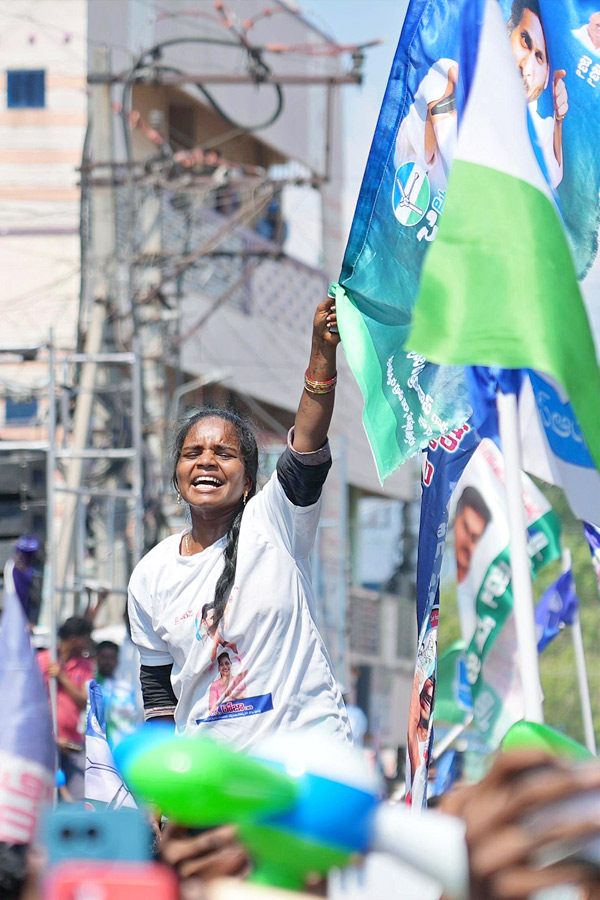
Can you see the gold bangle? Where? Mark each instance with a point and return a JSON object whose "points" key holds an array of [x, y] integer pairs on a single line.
{"points": [[319, 387]]}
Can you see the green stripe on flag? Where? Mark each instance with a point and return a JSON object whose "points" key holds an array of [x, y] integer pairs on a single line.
{"points": [[493, 606], [378, 417], [499, 289]]}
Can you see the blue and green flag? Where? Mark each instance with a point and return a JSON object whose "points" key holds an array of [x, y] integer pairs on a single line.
{"points": [[513, 238]]}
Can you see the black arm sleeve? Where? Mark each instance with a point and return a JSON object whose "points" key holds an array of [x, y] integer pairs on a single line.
{"points": [[157, 691], [302, 484]]}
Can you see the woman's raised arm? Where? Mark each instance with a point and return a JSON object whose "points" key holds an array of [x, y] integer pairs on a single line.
{"points": [[316, 404]]}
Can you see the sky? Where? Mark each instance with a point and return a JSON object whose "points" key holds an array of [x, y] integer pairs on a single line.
{"points": [[349, 22], [357, 21]]}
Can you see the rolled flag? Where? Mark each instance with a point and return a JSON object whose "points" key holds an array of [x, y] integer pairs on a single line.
{"points": [[592, 535], [557, 607], [27, 748], [104, 786]]}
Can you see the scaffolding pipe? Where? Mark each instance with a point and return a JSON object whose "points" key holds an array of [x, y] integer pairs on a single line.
{"points": [[50, 566]]}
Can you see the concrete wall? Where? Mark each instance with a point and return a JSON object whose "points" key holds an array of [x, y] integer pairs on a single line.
{"points": [[40, 150]]}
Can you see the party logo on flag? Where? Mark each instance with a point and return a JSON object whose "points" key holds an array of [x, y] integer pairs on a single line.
{"points": [[411, 194]]}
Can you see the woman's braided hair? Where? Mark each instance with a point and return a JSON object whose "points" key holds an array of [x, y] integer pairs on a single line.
{"points": [[249, 455]]}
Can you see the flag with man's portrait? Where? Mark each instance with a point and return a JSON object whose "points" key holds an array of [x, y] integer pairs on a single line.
{"points": [[480, 534]]}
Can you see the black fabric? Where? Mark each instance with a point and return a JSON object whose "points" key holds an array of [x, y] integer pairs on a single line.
{"points": [[301, 483], [157, 689]]}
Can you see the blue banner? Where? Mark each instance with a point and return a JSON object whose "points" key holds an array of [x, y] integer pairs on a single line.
{"points": [[240, 708], [444, 463]]}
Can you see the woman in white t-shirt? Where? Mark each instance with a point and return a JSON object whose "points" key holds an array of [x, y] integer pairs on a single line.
{"points": [[238, 580]]}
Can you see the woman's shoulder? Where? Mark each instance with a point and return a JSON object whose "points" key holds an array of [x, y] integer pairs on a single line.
{"points": [[166, 549]]}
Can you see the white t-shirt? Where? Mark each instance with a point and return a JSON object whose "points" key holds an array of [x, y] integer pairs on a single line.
{"points": [[280, 674]]}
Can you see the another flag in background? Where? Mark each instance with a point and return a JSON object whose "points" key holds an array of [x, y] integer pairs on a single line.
{"points": [[592, 535], [479, 520], [556, 608], [449, 770], [552, 445], [454, 700], [104, 786], [443, 465], [27, 748], [498, 286]]}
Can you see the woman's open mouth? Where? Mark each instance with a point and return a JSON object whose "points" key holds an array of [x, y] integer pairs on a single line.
{"points": [[206, 483]]}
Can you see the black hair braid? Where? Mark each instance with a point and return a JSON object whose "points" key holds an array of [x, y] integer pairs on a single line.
{"points": [[227, 576]]}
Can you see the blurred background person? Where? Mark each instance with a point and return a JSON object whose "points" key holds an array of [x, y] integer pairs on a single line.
{"points": [[21, 576], [72, 670]]}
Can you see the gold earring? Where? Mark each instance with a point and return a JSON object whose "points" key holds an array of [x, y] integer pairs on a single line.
{"points": [[245, 497]]}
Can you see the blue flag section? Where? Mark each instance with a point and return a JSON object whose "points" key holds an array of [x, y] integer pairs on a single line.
{"points": [[557, 607], [592, 535], [408, 400], [449, 770], [444, 463], [104, 786], [27, 748]]}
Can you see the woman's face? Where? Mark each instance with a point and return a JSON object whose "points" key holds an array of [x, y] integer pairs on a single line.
{"points": [[210, 471], [209, 619], [225, 666]]}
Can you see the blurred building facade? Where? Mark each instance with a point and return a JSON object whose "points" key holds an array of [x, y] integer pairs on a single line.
{"points": [[144, 212]]}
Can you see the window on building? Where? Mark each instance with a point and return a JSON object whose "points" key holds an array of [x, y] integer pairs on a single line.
{"points": [[26, 89], [20, 411]]}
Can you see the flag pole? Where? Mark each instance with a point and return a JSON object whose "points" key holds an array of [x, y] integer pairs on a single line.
{"points": [[523, 608], [584, 688], [582, 679]]}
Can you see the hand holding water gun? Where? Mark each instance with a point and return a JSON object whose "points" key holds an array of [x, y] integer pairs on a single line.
{"points": [[301, 805]]}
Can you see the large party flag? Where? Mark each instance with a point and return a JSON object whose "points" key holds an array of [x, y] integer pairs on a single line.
{"points": [[402, 204], [408, 400], [499, 286], [104, 786], [27, 748]]}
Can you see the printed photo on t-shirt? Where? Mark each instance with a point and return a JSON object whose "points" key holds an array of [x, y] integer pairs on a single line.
{"points": [[229, 694], [209, 631]]}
